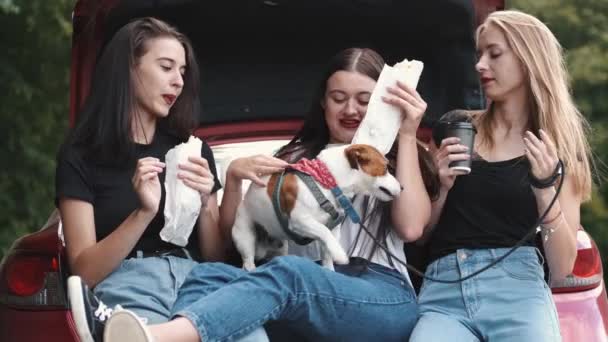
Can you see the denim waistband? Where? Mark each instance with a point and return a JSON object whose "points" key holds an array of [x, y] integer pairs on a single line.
{"points": [[358, 265], [176, 252], [486, 256]]}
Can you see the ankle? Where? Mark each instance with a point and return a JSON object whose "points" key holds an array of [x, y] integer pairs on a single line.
{"points": [[178, 329]]}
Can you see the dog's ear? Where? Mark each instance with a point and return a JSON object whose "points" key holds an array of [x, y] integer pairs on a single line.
{"points": [[367, 159], [357, 156]]}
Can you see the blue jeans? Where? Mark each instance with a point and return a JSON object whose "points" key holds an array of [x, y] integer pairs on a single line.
{"points": [[351, 304], [147, 286], [508, 302]]}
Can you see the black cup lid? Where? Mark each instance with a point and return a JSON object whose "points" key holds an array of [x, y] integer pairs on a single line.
{"points": [[461, 124]]}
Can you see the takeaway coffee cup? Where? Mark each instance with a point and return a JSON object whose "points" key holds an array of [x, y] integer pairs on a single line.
{"points": [[466, 132]]}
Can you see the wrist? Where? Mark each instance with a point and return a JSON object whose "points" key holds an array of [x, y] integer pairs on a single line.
{"points": [[549, 220], [443, 190], [544, 195], [407, 136], [232, 179], [146, 213], [204, 201]]}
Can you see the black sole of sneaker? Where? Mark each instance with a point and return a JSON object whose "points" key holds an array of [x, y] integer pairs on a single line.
{"points": [[76, 297]]}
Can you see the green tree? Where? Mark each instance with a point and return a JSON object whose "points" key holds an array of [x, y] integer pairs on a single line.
{"points": [[34, 91]]}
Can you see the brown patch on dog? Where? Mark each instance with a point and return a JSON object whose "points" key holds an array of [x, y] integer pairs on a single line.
{"points": [[289, 191], [368, 158], [272, 182]]}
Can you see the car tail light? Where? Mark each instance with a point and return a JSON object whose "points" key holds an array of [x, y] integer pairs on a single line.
{"points": [[587, 272], [30, 280], [32, 273]]}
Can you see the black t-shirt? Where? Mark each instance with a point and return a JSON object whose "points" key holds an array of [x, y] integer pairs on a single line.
{"points": [[109, 189], [492, 207]]}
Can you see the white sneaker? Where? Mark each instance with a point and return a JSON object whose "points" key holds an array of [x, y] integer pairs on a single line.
{"points": [[125, 325], [89, 313]]}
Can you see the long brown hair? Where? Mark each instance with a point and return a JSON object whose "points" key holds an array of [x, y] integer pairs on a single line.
{"points": [[103, 126]]}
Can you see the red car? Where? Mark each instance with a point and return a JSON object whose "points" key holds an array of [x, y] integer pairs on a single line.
{"points": [[259, 61]]}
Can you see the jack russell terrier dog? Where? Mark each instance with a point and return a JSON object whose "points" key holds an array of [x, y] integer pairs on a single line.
{"points": [[307, 200]]}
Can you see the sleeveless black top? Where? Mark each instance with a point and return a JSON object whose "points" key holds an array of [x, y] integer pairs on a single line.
{"points": [[491, 207]]}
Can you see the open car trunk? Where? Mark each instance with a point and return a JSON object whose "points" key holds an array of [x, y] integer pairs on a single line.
{"points": [[261, 60]]}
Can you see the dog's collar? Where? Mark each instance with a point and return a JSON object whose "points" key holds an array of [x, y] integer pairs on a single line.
{"points": [[320, 172]]}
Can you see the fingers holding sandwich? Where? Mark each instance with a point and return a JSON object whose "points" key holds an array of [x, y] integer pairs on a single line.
{"points": [[411, 104]]}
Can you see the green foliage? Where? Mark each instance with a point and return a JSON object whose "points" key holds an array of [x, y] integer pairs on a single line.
{"points": [[34, 92], [7, 6]]}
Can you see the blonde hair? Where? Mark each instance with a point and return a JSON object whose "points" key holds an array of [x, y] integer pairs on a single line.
{"points": [[541, 56]]}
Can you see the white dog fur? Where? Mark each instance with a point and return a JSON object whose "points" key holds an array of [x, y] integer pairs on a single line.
{"points": [[358, 169]]}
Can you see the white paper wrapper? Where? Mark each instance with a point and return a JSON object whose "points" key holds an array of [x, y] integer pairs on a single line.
{"points": [[382, 121], [182, 203]]}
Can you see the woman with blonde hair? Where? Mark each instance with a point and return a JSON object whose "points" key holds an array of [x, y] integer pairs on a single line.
{"points": [[530, 137]]}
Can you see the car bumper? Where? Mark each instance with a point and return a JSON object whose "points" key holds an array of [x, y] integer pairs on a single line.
{"points": [[583, 316]]}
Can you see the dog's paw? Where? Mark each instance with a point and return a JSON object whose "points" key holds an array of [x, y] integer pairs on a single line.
{"points": [[329, 266], [341, 258], [249, 266]]}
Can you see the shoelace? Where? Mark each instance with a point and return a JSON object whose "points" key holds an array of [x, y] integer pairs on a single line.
{"points": [[103, 312]]}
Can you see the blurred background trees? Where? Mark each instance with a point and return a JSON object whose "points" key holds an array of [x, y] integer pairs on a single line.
{"points": [[34, 90], [35, 41]]}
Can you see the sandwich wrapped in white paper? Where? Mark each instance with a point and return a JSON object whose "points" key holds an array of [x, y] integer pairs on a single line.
{"points": [[182, 203], [382, 121]]}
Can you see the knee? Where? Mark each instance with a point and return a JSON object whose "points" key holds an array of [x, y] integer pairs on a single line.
{"points": [[293, 267]]}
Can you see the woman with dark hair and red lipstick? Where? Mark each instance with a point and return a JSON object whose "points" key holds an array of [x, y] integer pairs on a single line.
{"points": [[143, 102]]}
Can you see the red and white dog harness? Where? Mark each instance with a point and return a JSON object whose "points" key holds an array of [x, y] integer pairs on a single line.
{"points": [[317, 170], [312, 172]]}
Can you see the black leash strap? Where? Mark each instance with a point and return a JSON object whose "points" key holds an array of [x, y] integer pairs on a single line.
{"points": [[530, 234]]}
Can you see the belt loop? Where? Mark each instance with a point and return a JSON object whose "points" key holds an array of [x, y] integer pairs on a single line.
{"points": [[139, 254], [493, 254], [187, 253], [433, 268], [541, 257]]}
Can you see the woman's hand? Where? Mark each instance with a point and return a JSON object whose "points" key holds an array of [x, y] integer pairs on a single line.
{"points": [[411, 104], [254, 167], [449, 151], [146, 183], [196, 175], [542, 154]]}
